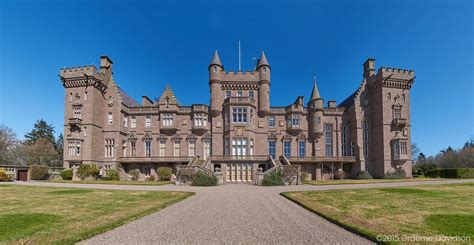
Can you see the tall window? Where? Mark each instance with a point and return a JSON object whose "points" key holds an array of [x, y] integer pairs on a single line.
{"points": [[228, 93], [176, 148], [77, 111], [251, 95], [133, 122], [397, 112], [328, 139], [272, 148], [200, 120], [403, 147], [110, 118], [251, 147], [271, 121], [192, 148], [239, 147], [147, 121], [124, 148], [239, 115], [344, 141], [319, 120], [74, 148], [366, 139], [148, 148], [227, 146], [85, 95], [239, 93], [352, 148], [287, 148], [109, 147], [294, 120], [162, 148], [396, 149], [125, 121], [167, 119], [301, 148], [133, 149]]}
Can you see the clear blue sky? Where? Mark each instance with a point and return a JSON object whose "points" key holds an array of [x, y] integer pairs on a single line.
{"points": [[161, 42]]}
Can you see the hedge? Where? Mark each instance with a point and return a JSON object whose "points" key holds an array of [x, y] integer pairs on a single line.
{"points": [[451, 173], [164, 173], [66, 174], [38, 172], [111, 174], [202, 179], [273, 179], [87, 170]]}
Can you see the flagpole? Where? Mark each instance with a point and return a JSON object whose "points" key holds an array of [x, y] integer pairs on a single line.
{"points": [[240, 64]]}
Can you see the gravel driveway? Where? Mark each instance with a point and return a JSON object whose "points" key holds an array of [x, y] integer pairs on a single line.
{"points": [[233, 213]]}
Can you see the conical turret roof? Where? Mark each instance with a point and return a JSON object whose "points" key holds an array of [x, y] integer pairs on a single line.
{"points": [[263, 60], [315, 93], [216, 60]]}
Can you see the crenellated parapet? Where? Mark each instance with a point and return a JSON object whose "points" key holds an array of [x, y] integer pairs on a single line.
{"points": [[81, 76], [394, 78]]}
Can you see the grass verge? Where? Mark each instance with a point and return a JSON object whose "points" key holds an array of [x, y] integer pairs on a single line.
{"points": [[365, 181], [427, 211], [112, 182], [51, 215]]}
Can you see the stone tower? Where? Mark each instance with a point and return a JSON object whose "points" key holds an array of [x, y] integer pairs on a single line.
{"points": [[263, 69], [315, 106], [215, 68]]}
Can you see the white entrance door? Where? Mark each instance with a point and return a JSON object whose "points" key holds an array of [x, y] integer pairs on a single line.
{"points": [[239, 172]]}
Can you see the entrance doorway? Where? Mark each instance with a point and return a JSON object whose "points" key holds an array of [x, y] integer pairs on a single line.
{"points": [[239, 172], [22, 175]]}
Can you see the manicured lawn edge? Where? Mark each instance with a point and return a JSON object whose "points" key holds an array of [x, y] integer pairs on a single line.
{"points": [[372, 181], [352, 228], [115, 224], [107, 182]]}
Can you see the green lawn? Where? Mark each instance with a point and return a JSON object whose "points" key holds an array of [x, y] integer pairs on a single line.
{"points": [[427, 210], [112, 182], [365, 181], [39, 215]]}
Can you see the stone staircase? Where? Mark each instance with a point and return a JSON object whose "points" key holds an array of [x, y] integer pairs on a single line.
{"points": [[185, 173]]}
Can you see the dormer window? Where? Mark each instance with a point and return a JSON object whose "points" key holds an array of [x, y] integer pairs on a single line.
{"points": [[167, 119], [294, 120], [200, 120]]}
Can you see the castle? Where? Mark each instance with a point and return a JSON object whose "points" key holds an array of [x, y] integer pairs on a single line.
{"points": [[239, 134]]}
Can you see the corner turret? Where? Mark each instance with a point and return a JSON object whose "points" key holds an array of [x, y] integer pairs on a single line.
{"points": [[263, 69], [215, 69], [315, 107]]}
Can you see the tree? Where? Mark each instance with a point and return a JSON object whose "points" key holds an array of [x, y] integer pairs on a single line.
{"points": [[60, 146], [7, 141], [414, 150], [41, 152], [40, 130]]}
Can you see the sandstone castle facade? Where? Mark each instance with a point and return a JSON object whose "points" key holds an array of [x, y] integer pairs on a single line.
{"points": [[239, 134]]}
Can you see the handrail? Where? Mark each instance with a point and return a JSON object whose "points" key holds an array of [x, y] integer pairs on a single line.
{"points": [[193, 161], [207, 163], [323, 159], [285, 160]]}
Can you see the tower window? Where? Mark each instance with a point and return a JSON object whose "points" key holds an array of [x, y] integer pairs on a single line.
{"points": [[239, 115], [228, 93], [239, 93], [167, 120], [110, 118], [77, 111], [389, 96], [328, 139], [397, 112], [133, 122], [239, 147], [271, 121], [251, 95]]}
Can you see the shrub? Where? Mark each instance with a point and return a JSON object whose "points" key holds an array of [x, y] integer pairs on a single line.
{"points": [[338, 175], [3, 175], [304, 176], [399, 173], [363, 175], [273, 179], [134, 174], [87, 170], [111, 174], [38, 172], [164, 173], [202, 179], [66, 174], [457, 173], [151, 178]]}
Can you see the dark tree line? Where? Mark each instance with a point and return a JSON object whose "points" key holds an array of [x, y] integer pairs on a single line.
{"points": [[446, 158], [40, 147]]}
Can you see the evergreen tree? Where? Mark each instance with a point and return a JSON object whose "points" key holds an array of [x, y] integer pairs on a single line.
{"points": [[60, 146], [41, 130]]}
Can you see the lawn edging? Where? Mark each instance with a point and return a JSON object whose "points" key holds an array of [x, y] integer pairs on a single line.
{"points": [[354, 229], [99, 230]]}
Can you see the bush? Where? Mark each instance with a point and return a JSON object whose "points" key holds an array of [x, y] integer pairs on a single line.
{"points": [[87, 170], [457, 173], [304, 176], [66, 174], [399, 173], [3, 175], [273, 179], [363, 175], [134, 174], [151, 178], [202, 179], [38, 172], [111, 174], [164, 173]]}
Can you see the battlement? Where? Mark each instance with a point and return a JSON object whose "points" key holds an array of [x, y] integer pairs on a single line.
{"points": [[79, 71], [396, 73], [232, 76]]}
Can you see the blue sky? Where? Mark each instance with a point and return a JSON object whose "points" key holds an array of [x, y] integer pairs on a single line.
{"points": [[162, 42]]}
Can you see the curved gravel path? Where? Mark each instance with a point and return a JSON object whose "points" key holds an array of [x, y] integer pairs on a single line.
{"points": [[233, 213]]}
